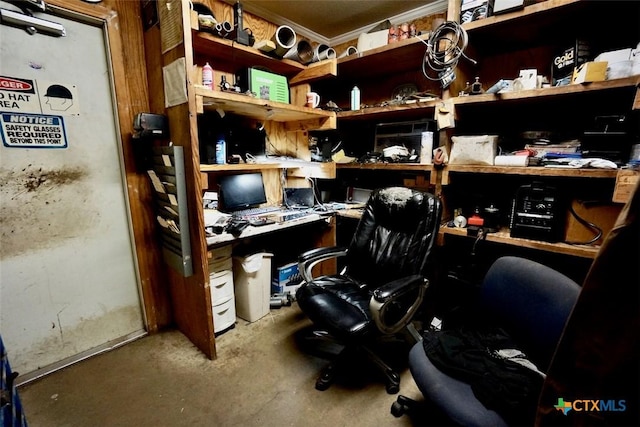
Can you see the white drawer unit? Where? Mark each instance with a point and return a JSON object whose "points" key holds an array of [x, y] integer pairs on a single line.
{"points": [[224, 315], [221, 286]]}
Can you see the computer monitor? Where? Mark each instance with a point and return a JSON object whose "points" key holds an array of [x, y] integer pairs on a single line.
{"points": [[241, 191]]}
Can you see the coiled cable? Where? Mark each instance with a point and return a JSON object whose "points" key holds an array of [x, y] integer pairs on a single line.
{"points": [[445, 47]]}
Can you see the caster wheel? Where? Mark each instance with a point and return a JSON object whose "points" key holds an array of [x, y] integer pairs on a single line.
{"points": [[325, 379], [322, 385], [393, 388], [398, 409]]}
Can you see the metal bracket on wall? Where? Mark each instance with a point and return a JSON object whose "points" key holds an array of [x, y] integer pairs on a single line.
{"points": [[27, 21]]}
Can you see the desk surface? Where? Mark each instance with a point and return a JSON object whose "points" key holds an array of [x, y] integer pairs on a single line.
{"points": [[350, 213], [264, 229]]}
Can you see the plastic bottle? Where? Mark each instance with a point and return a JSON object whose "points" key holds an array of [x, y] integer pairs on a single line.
{"points": [[355, 98], [207, 76], [221, 151]]}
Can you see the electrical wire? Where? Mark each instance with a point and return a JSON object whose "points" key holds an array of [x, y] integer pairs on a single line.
{"points": [[317, 202], [445, 47], [587, 224]]}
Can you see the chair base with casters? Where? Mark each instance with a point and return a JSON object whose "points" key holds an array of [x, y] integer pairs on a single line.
{"points": [[380, 291], [343, 357], [532, 303]]}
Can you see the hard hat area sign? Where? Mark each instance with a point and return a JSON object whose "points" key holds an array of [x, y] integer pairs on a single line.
{"points": [[38, 96], [32, 131], [31, 112]]}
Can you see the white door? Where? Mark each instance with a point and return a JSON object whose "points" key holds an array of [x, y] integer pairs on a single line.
{"points": [[68, 274]]}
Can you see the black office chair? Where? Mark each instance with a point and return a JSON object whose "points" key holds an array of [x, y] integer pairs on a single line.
{"points": [[528, 301], [383, 284]]}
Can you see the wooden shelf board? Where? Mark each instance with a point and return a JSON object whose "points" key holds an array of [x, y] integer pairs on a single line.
{"points": [[533, 170], [394, 57], [230, 52], [503, 236], [627, 82], [546, 22], [531, 10], [239, 167], [425, 107], [295, 168], [224, 52], [259, 109], [386, 166], [265, 229]]}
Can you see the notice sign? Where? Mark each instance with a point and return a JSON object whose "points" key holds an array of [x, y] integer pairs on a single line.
{"points": [[32, 131]]}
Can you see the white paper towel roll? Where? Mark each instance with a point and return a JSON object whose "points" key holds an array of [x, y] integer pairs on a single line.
{"points": [[511, 161], [426, 148]]}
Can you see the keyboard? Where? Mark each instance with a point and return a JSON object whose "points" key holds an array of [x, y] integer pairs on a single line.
{"points": [[245, 213]]}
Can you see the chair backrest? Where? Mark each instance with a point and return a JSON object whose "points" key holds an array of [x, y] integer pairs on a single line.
{"points": [[532, 302], [394, 236]]}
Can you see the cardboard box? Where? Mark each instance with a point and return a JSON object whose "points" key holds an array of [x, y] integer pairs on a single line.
{"points": [[368, 41], [590, 72], [626, 181], [287, 279], [473, 10]]}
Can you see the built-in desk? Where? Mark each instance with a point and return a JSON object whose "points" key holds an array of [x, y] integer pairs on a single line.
{"points": [[252, 231], [350, 213]]}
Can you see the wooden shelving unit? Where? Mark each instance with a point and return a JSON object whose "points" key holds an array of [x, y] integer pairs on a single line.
{"points": [[533, 171], [503, 236], [260, 109], [502, 45], [229, 52], [386, 166]]}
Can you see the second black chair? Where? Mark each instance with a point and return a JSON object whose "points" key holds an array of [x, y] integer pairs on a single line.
{"points": [[384, 281]]}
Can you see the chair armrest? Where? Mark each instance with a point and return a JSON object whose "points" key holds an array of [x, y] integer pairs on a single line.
{"points": [[398, 287], [388, 299], [307, 260]]}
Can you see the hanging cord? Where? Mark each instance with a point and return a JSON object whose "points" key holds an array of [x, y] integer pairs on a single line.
{"points": [[283, 185], [317, 202], [481, 236], [587, 224], [445, 47]]}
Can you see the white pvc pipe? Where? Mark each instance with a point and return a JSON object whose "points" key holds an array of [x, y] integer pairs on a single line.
{"points": [[285, 39], [302, 53], [322, 52], [351, 50]]}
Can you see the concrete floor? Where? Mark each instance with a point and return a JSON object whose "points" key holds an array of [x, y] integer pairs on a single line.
{"points": [[261, 378]]}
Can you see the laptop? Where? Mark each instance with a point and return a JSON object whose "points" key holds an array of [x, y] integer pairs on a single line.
{"points": [[299, 198]]}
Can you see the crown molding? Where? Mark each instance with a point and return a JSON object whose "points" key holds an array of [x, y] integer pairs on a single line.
{"points": [[279, 20], [437, 6], [420, 12]]}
